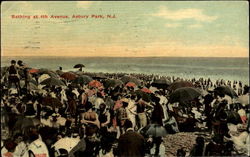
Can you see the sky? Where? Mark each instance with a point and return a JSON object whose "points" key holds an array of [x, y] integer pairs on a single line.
{"points": [[138, 29]]}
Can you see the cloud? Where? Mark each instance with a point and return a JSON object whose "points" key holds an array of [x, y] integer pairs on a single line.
{"points": [[195, 26], [84, 4], [172, 25], [182, 14]]}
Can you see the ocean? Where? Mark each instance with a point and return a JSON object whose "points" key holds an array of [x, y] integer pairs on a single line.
{"points": [[191, 67]]}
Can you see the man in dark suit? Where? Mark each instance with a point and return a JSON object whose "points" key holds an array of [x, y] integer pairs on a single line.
{"points": [[130, 144]]}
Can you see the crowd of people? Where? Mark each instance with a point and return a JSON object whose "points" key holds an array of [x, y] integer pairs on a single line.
{"points": [[108, 115]]}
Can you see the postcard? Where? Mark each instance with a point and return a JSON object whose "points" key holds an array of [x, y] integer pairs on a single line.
{"points": [[124, 78]]}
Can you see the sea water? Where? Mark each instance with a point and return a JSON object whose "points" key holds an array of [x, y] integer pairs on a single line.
{"points": [[191, 67]]}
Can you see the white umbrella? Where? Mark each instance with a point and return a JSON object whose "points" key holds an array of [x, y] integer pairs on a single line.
{"points": [[43, 77], [67, 143]]}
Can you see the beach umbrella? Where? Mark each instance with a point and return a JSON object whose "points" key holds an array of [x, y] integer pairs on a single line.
{"points": [[131, 84], [67, 143], [146, 90], [112, 83], [33, 71], [233, 117], [69, 76], [179, 84], [83, 79], [145, 96], [50, 101], [127, 79], [33, 81], [24, 122], [52, 82], [43, 77], [154, 130], [49, 72], [99, 76], [184, 94], [95, 83], [161, 83], [225, 90], [203, 92], [79, 66]]}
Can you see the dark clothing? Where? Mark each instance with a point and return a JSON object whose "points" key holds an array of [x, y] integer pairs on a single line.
{"points": [[131, 144], [214, 149], [103, 118], [13, 78], [12, 70], [197, 150], [79, 148], [140, 108], [157, 114]]}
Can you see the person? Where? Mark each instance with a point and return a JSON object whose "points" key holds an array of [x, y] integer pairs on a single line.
{"points": [[36, 146], [180, 153], [198, 149], [131, 110], [242, 114], [25, 72], [220, 127], [141, 111], [121, 116], [153, 151], [214, 147], [106, 146], [208, 99], [13, 77], [157, 114], [104, 116], [78, 149], [98, 101], [90, 120], [157, 118], [171, 124], [8, 148], [21, 146], [130, 143]]}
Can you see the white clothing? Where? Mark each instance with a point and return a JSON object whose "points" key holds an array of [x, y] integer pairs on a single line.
{"points": [[39, 148], [75, 91], [163, 99], [98, 102], [21, 148], [3, 152], [197, 115], [164, 107], [67, 143], [162, 152], [242, 112], [52, 94], [131, 112], [48, 122], [242, 142], [63, 96]]}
